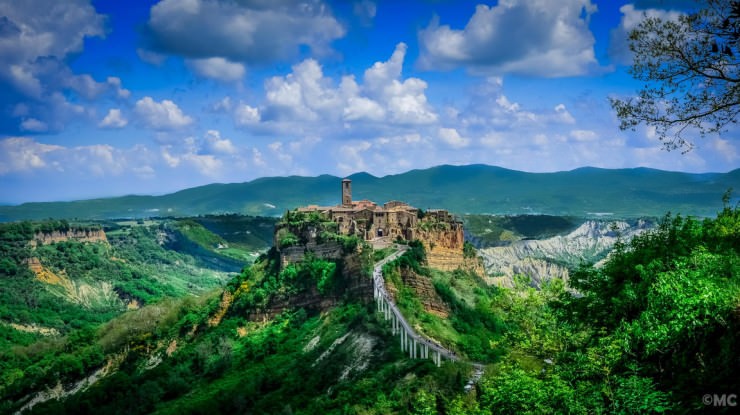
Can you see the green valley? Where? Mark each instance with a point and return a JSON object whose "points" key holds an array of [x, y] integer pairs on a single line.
{"points": [[301, 333]]}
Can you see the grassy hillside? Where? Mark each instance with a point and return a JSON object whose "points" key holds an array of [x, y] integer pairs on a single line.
{"points": [[473, 189], [49, 292], [651, 332]]}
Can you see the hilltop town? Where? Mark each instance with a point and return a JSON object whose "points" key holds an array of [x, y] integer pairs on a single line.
{"points": [[369, 220]]}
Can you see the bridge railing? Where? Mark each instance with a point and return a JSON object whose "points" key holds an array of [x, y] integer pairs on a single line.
{"points": [[415, 344]]}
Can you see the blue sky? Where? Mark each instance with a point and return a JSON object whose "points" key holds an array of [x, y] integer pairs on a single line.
{"points": [[107, 98]]}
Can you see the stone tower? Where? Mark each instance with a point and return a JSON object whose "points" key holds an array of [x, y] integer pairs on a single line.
{"points": [[347, 193]]}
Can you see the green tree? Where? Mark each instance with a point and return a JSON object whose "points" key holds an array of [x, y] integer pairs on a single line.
{"points": [[691, 70]]}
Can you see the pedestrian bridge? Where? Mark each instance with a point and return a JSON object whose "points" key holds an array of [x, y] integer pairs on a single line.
{"points": [[417, 345]]}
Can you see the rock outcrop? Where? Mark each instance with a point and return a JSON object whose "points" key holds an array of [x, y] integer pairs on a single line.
{"points": [[81, 235], [545, 259], [443, 244], [423, 290], [90, 294]]}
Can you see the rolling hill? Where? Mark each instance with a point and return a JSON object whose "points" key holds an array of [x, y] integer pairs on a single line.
{"points": [[584, 192]]}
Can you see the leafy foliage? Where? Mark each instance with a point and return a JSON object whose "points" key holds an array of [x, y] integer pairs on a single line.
{"points": [[651, 331], [692, 73]]}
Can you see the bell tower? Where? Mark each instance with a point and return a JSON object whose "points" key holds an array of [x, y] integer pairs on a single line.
{"points": [[347, 193]]}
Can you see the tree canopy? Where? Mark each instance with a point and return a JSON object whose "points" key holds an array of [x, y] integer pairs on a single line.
{"points": [[690, 69]]}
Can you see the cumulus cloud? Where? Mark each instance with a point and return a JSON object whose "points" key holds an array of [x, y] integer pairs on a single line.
{"points": [[217, 68], [33, 70], [516, 36], [58, 31], [114, 119], [26, 155], [452, 138], [631, 17], [164, 115], [217, 144], [33, 125], [23, 154], [115, 82], [206, 164], [351, 158], [307, 97], [365, 10], [247, 32], [584, 135], [245, 115]]}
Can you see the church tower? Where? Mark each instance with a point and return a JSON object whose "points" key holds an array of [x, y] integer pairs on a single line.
{"points": [[347, 193]]}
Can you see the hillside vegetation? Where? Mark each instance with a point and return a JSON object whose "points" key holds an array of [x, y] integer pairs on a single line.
{"points": [[473, 189], [55, 295], [651, 331]]}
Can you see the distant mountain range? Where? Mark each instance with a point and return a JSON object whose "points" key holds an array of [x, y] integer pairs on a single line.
{"points": [[583, 192]]}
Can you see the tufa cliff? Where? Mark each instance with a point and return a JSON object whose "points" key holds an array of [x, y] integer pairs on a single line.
{"points": [[444, 243], [301, 241], [81, 235], [550, 258]]}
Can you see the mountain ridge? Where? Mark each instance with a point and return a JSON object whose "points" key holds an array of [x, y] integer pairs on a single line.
{"points": [[476, 188]]}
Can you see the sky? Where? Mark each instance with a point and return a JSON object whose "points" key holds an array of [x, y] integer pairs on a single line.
{"points": [[106, 98]]}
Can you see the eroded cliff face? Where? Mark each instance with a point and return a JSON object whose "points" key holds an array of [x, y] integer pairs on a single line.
{"points": [[444, 248], [546, 259], [424, 291], [81, 235], [353, 279], [88, 294]]}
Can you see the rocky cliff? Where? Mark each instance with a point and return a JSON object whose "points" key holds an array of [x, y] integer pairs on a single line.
{"points": [[89, 294], [354, 282], [550, 258], [444, 248], [317, 240], [81, 235], [423, 290]]}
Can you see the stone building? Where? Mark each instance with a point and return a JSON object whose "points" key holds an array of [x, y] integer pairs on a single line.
{"points": [[368, 219]]}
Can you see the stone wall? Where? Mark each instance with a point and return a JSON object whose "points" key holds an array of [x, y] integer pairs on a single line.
{"points": [[293, 254]]}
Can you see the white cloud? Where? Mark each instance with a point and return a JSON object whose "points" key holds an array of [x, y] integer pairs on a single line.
{"points": [[33, 69], [350, 157], [516, 36], [23, 154], [631, 17], [121, 92], [245, 115], [257, 158], [725, 148], [219, 145], [217, 68], [57, 31], [205, 164], [33, 125], [361, 108], [452, 138], [113, 119], [405, 99], [254, 32], [224, 105], [365, 10], [307, 97], [584, 135], [162, 115]]}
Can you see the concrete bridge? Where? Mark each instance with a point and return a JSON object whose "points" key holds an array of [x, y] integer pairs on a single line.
{"points": [[414, 343]]}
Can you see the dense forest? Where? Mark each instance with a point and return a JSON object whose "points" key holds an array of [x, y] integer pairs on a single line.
{"points": [[653, 330]]}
